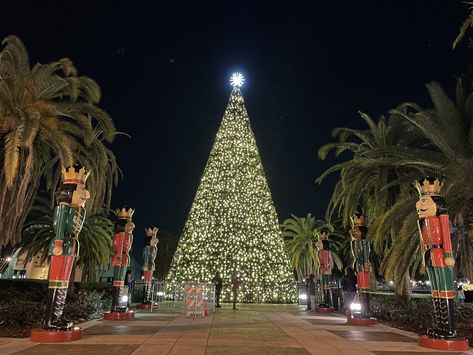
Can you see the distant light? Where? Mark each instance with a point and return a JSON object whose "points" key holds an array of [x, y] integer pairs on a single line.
{"points": [[427, 283], [391, 283], [302, 297], [355, 306], [160, 293], [237, 80], [125, 298], [8, 259]]}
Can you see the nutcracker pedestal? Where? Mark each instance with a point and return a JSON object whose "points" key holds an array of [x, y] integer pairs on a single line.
{"points": [[40, 335], [361, 321], [323, 309], [454, 344], [144, 306], [119, 315]]}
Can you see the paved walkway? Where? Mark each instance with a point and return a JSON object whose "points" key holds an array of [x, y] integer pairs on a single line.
{"points": [[253, 329]]}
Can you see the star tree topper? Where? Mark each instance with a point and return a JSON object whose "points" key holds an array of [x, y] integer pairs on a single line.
{"points": [[237, 80]]}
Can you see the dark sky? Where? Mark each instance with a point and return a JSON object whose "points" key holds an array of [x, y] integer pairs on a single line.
{"points": [[310, 66]]}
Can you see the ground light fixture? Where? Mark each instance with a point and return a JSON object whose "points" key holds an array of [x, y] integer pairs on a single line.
{"points": [[355, 307]]}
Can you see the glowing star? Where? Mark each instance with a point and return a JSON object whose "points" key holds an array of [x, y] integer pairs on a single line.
{"points": [[237, 80]]}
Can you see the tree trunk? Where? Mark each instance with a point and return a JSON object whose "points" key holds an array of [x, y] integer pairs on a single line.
{"points": [[403, 285]]}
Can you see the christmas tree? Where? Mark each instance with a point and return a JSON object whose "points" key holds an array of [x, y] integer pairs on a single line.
{"points": [[232, 225]]}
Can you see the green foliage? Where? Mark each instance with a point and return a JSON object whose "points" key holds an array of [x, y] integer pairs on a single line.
{"points": [[465, 26], [415, 314], [48, 117], [23, 302], [95, 238], [99, 287], [24, 285], [20, 312], [387, 157], [300, 236], [86, 305]]}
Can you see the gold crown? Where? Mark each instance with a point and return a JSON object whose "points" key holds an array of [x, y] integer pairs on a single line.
{"points": [[425, 187], [358, 220], [124, 213], [74, 174], [150, 232], [324, 234]]}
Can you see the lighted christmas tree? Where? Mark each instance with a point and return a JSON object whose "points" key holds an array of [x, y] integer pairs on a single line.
{"points": [[232, 225]]}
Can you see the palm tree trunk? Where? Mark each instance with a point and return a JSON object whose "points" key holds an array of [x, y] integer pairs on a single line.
{"points": [[403, 286]]}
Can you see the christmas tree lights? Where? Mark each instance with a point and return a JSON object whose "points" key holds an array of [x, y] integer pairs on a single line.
{"points": [[232, 225]]}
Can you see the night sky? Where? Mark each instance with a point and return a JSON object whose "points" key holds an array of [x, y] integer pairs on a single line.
{"points": [[164, 70]]}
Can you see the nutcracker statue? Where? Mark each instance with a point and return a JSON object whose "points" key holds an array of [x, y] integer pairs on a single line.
{"points": [[149, 254], [325, 270], [436, 247], [122, 241], [360, 309], [69, 216]]}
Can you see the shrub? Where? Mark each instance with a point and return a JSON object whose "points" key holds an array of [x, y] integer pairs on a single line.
{"points": [[14, 312], [95, 286], [24, 285], [414, 313], [24, 303], [85, 305]]}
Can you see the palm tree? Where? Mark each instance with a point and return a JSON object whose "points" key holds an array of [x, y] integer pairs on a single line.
{"points": [[447, 130], [369, 181], [466, 24], [48, 117], [95, 238], [364, 181], [435, 141], [300, 236]]}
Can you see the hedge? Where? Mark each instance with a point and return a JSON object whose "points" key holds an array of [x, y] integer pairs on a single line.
{"points": [[23, 302]]}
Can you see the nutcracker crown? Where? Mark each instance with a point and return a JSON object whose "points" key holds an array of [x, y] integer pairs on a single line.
{"points": [[124, 213], [429, 186], [74, 174], [324, 234], [358, 220], [151, 232]]}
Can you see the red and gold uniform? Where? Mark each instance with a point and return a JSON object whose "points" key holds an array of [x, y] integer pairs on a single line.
{"points": [[361, 251], [149, 255], [360, 248], [122, 242], [69, 217], [436, 247], [325, 267]]}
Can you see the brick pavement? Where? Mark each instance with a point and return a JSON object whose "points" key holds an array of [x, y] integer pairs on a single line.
{"points": [[253, 329]]}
